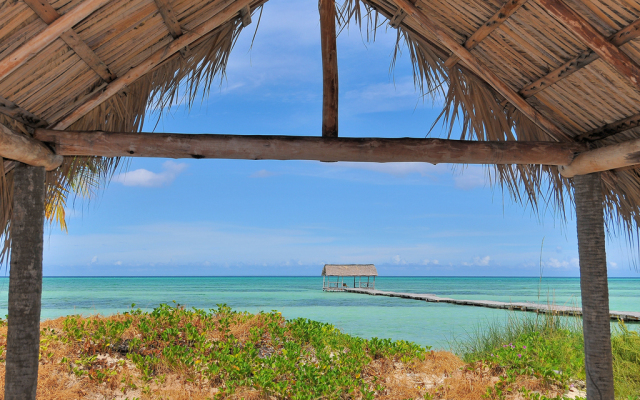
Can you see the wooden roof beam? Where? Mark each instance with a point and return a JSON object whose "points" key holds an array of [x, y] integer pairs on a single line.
{"points": [[169, 17], [603, 159], [49, 14], [14, 146], [507, 9], [263, 147], [157, 58], [580, 61], [12, 110], [610, 129], [329, 68], [590, 36], [245, 14], [25, 52], [474, 64]]}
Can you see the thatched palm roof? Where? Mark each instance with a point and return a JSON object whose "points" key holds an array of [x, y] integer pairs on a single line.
{"points": [[537, 70], [349, 270]]}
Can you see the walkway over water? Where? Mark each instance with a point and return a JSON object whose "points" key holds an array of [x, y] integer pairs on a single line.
{"points": [[533, 307]]}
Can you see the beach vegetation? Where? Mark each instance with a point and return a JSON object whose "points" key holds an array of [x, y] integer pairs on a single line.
{"points": [[177, 353]]}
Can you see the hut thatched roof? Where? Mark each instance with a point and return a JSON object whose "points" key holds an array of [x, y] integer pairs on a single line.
{"points": [[537, 70], [349, 270]]}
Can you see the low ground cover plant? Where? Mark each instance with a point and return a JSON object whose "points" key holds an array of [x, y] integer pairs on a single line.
{"points": [[178, 353]]}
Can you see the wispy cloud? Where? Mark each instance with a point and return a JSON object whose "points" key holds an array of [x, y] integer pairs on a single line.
{"points": [[146, 178], [263, 173]]}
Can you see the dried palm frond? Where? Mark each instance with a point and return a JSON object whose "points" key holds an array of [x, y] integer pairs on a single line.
{"points": [[176, 81]]}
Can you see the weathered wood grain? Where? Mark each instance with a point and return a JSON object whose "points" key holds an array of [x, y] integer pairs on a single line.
{"points": [[15, 146], [475, 65], [610, 129], [590, 36], [329, 68], [169, 17], [507, 9], [151, 62], [25, 52], [603, 159], [624, 35], [261, 147]]}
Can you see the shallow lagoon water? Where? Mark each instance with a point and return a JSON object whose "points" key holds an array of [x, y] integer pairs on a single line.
{"points": [[366, 316]]}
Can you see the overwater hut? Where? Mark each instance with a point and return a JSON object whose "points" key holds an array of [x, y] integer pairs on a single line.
{"points": [[547, 93], [341, 271]]}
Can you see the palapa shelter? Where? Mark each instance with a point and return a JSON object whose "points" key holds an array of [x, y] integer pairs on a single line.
{"points": [[340, 271], [547, 91]]}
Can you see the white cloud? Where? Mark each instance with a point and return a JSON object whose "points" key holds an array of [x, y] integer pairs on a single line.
{"points": [[263, 173], [397, 260], [430, 262], [94, 260], [117, 263], [478, 261], [573, 263], [470, 177], [397, 168], [146, 178]]}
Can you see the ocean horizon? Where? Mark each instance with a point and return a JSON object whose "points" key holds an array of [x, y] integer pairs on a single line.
{"points": [[431, 324]]}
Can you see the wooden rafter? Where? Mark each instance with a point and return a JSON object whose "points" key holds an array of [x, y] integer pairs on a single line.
{"points": [[170, 18], [507, 9], [580, 61], [603, 159], [25, 52], [147, 65], [329, 68], [590, 36], [15, 146], [610, 129], [48, 14], [245, 14], [474, 64], [12, 110], [260, 147]]}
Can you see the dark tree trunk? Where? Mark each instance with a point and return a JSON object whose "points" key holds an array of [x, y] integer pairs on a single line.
{"points": [[25, 283], [594, 287]]}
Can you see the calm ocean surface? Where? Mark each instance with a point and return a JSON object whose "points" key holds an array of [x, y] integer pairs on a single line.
{"points": [[366, 316]]}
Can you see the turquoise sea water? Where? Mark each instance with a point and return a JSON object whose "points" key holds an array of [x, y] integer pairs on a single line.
{"points": [[362, 315]]}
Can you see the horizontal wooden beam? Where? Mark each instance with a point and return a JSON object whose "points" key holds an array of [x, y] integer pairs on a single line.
{"points": [[14, 146], [580, 61], [507, 9], [603, 159], [25, 52], [442, 33], [583, 30], [151, 62], [259, 147]]}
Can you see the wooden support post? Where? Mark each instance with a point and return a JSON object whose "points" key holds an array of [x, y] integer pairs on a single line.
{"points": [[329, 68], [25, 283], [594, 287]]}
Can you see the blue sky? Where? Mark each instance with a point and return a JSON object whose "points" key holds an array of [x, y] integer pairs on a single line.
{"points": [[236, 217]]}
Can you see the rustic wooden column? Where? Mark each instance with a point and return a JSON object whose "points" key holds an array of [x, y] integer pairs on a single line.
{"points": [[25, 283], [329, 68], [594, 287]]}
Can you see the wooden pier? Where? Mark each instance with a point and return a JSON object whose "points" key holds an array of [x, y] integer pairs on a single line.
{"points": [[532, 307]]}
